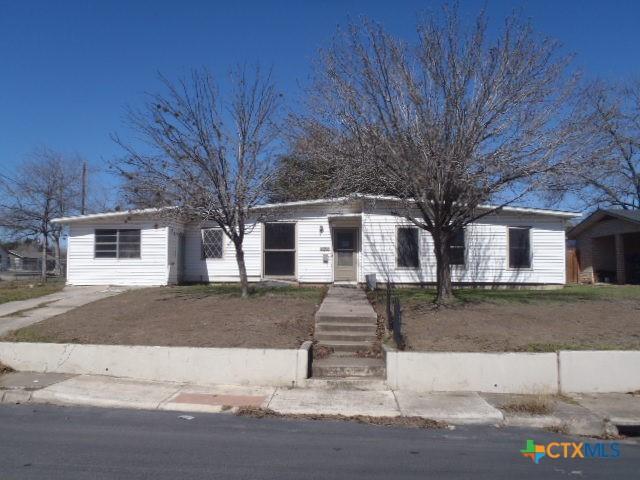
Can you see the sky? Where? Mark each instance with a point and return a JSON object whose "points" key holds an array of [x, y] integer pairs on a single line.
{"points": [[68, 69]]}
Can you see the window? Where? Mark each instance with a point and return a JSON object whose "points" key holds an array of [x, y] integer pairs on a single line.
{"points": [[456, 248], [519, 247], [212, 242], [280, 249], [122, 243], [408, 250]]}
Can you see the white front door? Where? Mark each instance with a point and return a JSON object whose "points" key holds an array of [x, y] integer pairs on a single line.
{"points": [[345, 254]]}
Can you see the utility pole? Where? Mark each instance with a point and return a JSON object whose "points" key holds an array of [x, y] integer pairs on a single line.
{"points": [[83, 200]]}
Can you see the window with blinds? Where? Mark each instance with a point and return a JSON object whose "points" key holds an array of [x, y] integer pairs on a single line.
{"points": [[117, 243]]}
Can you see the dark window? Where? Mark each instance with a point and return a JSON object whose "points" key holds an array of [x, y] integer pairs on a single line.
{"points": [[106, 244], [519, 247], [212, 241], [124, 243], [280, 236], [280, 249], [456, 248], [408, 251]]}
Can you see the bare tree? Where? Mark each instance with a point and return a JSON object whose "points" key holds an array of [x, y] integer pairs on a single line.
{"points": [[209, 156], [605, 171], [449, 123], [45, 186]]}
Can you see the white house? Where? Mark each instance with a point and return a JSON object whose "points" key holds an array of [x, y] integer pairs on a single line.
{"points": [[317, 241]]}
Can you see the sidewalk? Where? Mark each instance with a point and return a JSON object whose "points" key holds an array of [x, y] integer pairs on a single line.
{"points": [[592, 415], [20, 314]]}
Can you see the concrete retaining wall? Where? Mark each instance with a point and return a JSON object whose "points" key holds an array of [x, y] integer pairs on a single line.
{"points": [[565, 371], [599, 372], [469, 372], [240, 366]]}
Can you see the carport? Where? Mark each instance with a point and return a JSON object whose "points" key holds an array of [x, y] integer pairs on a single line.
{"points": [[608, 246]]}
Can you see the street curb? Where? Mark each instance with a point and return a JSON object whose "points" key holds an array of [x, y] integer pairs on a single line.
{"points": [[15, 396]]}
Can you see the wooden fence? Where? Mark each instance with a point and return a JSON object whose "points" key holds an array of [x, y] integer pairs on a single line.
{"points": [[573, 265]]}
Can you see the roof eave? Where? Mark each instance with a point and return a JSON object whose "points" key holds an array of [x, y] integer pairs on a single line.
{"points": [[596, 217], [303, 203], [107, 215]]}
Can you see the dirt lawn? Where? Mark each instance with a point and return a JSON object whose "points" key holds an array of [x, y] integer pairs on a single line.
{"points": [[194, 316], [574, 318]]}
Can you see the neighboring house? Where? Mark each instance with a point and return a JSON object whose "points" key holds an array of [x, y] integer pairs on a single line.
{"points": [[317, 241], [28, 258], [4, 259], [608, 246]]}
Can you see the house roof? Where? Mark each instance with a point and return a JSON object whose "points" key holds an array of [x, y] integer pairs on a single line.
{"points": [[632, 216], [303, 203], [28, 251], [108, 215]]}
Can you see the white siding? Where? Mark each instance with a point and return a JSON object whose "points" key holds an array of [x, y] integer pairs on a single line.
{"points": [[173, 252], [310, 266], [486, 256], [149, 269], [223, 269]]}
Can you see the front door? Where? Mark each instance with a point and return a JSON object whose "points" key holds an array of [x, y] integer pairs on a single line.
{"points": [[345, 247]]}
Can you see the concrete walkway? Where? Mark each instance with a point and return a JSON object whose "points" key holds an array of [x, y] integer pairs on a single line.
{"points": [[20, 314], [583, 415], [346, 324]]}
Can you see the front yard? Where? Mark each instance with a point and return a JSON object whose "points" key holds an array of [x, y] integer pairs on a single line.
{"points": [[193, 316], [25, 289], [576, 317]]}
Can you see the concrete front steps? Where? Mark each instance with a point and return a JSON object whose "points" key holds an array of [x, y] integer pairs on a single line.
{"points": [[348, 383], [342, 366], [346, 324]]}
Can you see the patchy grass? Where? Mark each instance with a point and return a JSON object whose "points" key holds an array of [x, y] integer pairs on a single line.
{"points": [[562, 429], [566, 399], [569, 293], [32, 334], [255, 291], [533, 405], [554, 347], [24, 290], [405, 422]]}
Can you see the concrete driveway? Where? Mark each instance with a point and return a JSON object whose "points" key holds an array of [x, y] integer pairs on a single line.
{"points": [[20, 314]]}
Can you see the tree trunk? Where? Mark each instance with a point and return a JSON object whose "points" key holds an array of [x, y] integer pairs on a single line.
{"points": [[444, 290], [242, 269], [43, 266], [56, 247]]}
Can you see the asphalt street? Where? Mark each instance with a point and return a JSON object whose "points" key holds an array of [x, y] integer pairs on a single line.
{"points": [[52, 442]]}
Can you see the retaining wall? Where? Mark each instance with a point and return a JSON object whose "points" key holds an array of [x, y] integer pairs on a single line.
{"points": [[599, 371], [564, 371], [239, 366], [473, 372], [558, 372]]}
